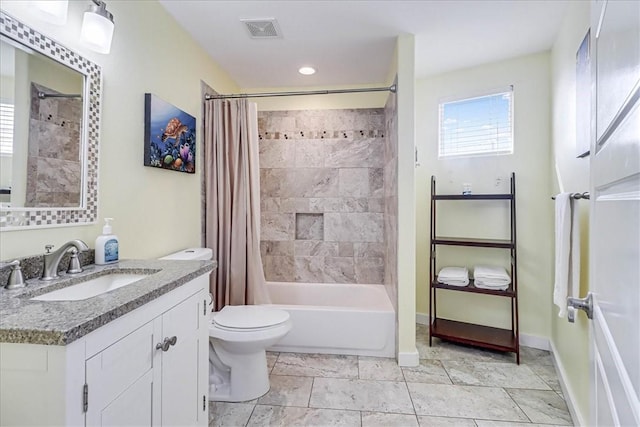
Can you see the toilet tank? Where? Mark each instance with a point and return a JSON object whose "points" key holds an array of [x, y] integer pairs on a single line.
{"points": [[191, 254]]}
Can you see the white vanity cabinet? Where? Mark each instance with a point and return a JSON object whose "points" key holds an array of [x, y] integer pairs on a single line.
{"points": [[127, 372]]}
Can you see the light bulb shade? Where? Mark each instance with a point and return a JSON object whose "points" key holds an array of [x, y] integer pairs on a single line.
{"points": [[54, 11], [97, 31]]}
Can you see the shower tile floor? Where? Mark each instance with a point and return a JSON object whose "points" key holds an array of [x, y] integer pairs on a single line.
{"points": [[453, 386]]}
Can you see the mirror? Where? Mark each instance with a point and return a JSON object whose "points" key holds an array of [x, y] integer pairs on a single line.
{"points": [[50, 105], [49, 96]]}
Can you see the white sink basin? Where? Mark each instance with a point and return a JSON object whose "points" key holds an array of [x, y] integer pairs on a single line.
{"points": [[91, 288]]}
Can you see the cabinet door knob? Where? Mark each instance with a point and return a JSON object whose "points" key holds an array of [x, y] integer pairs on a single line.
{"points": [[164, 346], [168, 342]]}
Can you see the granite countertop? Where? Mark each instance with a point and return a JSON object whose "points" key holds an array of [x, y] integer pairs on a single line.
{"points": [[62, 322]]}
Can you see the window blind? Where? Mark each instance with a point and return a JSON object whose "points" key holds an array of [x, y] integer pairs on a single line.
{"points": [[477, 126], [6, 128]]}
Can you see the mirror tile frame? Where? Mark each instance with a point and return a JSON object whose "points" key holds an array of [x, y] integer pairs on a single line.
{"points": [[87, 212]]}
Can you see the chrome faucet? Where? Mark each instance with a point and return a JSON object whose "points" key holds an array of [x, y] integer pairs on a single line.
{"points": [[52, 259]]}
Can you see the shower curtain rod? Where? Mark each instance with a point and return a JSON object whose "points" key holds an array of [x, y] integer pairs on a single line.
{"points": [[392, 89]]}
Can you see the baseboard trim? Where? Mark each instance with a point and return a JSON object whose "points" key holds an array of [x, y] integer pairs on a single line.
{"points": [[533, 341], [422, 319], [408, 358], [569, 397]]}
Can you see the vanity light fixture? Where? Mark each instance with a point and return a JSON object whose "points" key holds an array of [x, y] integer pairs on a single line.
{"points": [[53, 11], [307, 71], [97, 27]]}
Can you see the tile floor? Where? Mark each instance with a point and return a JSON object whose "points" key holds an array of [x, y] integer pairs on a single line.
{"points": [[453, 386]]}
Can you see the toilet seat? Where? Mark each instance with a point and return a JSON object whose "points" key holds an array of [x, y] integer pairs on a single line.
{"points": [[247, 318]]}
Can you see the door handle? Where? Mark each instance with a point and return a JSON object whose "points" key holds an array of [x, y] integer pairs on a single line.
{"points": [[168, 342], [585, 304]]}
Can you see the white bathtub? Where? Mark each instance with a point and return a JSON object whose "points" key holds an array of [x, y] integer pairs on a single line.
{"points": [[336, 318]]}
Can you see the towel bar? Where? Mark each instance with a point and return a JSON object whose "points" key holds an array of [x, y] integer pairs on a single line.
{"points": [[584, 195]]}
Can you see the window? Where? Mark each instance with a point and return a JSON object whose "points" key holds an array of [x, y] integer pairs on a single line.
{"points": [[6, 129], [477, 126]]}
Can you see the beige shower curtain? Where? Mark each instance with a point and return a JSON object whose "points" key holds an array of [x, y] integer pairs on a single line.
{"points": [[232, 202]]}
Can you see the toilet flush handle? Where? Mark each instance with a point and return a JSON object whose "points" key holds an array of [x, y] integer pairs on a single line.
{"points": [[168, 342]]}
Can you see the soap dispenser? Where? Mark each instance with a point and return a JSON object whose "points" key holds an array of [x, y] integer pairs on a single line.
{"points": [[107, 245]]}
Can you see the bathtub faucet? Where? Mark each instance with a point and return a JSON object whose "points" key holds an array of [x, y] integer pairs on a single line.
{"points": [[52, 259]]}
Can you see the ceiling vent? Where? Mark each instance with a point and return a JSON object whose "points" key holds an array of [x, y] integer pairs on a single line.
{"points": [[262, 28]]}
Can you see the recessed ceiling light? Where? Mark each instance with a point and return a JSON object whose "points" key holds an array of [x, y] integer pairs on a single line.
{"points": [[307, 71]]}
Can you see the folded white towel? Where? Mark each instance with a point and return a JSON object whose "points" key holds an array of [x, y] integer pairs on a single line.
{"points": [[454, 282], [493, 281], [453, 273], [490, 272], [487, 283], [454, 276], [495, 288], [491, 284]]}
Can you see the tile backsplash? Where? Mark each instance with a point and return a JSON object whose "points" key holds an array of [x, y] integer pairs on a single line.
{"points": [[32, 266]]}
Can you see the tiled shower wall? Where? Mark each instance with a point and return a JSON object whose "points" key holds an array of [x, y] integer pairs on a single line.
{"points": [[391, 198], [323, 195], [54, 171]]}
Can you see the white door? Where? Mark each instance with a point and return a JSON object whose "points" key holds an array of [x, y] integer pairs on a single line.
{"points": [[615, 214]]}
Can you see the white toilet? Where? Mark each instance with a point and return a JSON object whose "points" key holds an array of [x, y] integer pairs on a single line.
{"points": [[238, 337]]}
